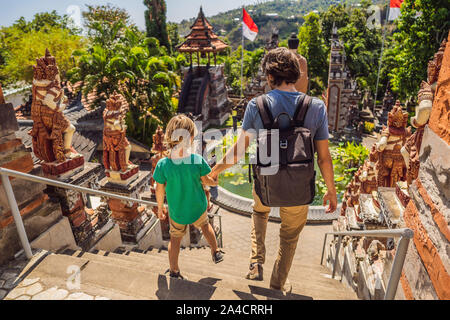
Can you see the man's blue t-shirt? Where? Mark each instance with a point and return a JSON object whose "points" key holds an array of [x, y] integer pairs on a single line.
{"points": [[316, 119]]}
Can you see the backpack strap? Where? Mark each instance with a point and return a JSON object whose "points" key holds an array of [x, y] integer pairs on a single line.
{"points": [[302, 109], [264, 112]]}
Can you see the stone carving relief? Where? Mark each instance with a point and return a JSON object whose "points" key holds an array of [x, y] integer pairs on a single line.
{"points": [[390, 165], [425, 97], [116, 147], [52, 132]]}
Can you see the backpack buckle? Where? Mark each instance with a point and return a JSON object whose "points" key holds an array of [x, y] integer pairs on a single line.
{"points": [[283, 144]]}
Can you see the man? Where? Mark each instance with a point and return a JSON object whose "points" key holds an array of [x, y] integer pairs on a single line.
{"points": [[282, 70], [302, 83]]}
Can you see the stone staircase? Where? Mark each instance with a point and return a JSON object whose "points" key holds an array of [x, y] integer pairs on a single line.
{"points": [[192, 97], [137, 274]]}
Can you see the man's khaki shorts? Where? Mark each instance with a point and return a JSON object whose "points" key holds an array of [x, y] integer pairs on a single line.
{"points": [[179, 230]]}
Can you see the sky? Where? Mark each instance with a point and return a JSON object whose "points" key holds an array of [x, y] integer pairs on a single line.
{"points": [[177, 10]]}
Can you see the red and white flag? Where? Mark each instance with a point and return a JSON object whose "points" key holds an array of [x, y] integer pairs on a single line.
{"points": [[394, 9], [249, 28]]}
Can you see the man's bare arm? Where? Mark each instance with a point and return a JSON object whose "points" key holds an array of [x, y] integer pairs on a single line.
{"points": [[302, 83], [326, 168]]}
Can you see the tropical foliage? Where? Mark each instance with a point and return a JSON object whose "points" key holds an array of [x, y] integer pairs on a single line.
{"points": [[368, 127], [347, 158], [289, 17], [419, 31], [24, 41], [232, 67], [123, 60], [312, 47], [155, 20]]}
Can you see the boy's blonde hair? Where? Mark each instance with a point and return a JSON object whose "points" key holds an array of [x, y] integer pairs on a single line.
{"points": [[179, 122]]}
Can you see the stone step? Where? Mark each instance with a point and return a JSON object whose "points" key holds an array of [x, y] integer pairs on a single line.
{"points": [[233, 259], [111, 280], [317, 278], [208, 277]]}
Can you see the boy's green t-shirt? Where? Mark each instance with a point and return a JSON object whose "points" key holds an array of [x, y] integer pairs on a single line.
{"points": [[184, 191]]}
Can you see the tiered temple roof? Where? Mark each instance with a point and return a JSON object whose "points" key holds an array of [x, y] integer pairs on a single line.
{"points": [[202, 38]]}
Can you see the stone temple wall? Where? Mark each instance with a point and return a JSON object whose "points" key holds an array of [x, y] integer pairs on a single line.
{"points": [[419, 199], [38, 212], [427, 267]]}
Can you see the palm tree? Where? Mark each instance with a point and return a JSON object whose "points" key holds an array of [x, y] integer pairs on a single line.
{"points": [[139, 69]]}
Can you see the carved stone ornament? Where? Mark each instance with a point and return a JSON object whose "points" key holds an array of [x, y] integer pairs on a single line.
{"points": [[424, 106], [390, 165], [52, 132], [116, 147], [434, 66], [158, 150]]}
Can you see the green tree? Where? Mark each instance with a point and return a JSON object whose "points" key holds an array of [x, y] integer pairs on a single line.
{"points": [[420, 30], [362, 46], [232, 67], [46, 20], [148, 81], [134, 66], [155, 20], [312, 47], [24, 40], [174, 37], [105, 23], [22, 49], [336, 15]]}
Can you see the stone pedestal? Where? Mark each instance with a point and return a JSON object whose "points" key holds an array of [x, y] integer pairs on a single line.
{"points": [[123, 178], [132, 218], [64, 170], [83, 220]]}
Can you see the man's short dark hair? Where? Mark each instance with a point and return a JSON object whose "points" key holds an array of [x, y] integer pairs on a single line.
{"points": [[282, 65]]}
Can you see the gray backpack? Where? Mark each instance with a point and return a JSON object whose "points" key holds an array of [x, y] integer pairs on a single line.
{"points": [[294, 182]]}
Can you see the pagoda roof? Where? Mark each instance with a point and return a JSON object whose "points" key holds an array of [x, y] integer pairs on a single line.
{"points": [[202, 38]]}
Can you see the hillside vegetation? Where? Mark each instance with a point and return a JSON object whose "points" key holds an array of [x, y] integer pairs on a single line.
{"points": [[289, 16]]}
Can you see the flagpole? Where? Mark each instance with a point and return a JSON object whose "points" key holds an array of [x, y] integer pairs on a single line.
{"points": [[381, 53], [242, 58]]}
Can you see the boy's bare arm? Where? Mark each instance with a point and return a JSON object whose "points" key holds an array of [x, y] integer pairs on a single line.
{"points": [[160, 194]]}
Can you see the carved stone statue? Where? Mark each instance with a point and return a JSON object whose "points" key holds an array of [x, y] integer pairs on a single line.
{"points": [[2, 98], [52, 132], [368, 177], [158, 150], [116, 147], [158, 142], [390, 165], [351, 195], [411, 149]]}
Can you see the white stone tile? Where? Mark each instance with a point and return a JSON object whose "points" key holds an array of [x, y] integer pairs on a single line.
{"points": [[24, 297], [16, 293], [34, 289], [51, 294], [29, 282], [79, 296]]}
